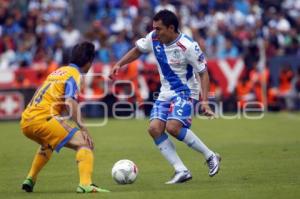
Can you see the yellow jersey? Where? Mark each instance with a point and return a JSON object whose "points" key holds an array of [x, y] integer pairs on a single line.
{"points": [[49, 99]]}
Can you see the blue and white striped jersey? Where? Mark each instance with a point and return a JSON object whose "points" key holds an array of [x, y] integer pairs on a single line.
{"points": [[177, 63]]}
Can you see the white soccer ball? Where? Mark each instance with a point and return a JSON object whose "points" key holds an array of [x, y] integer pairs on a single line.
{"points": [[124, 172]]}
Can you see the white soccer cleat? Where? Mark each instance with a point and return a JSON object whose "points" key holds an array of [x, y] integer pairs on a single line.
{"points": [[180, 177], [213, 163]]}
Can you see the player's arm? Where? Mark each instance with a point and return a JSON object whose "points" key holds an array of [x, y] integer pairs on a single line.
{"points": [[142, 45], [71, 90], [204, 80], [196, 58], [130, 56], [73, 108]]}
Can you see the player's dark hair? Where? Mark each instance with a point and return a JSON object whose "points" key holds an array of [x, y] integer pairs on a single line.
{"points": [[82, 53], [168, 18]]}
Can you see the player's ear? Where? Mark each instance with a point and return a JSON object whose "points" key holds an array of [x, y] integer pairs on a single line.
{"points": [[172, 28]]}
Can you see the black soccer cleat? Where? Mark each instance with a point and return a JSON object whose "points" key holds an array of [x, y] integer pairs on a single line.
{"points": [[28, 185]]}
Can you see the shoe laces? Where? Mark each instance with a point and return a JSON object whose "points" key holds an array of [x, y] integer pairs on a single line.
{"points": [[175, 173], [210, 162]]}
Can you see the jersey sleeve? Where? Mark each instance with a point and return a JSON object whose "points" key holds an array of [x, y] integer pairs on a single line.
{"points": [[196, 58], [71, 88], [144, 44]]}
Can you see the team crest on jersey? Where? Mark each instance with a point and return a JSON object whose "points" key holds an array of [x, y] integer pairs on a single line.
{"points": [[176, 57], [176, 54]]}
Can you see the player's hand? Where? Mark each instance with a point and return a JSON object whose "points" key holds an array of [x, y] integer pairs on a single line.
{"points": [[114, 71], [87, 138], [207, 111]]}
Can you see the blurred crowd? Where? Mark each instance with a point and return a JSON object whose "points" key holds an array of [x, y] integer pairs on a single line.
{"points": [[35, 31], [223, 28], [40, 33]]}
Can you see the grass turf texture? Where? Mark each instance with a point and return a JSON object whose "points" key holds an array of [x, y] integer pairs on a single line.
{"points": [[260, 160]]}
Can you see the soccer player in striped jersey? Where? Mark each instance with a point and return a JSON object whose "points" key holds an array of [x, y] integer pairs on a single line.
{"points": [[180, 62]]}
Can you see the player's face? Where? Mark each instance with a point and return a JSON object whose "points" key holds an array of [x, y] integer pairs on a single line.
{"points": [[163, 32]]}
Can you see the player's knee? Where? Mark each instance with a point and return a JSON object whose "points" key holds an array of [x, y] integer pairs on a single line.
{"points": [[84, 144], [78, 144], [172, 129], [154, 131], [45, 151], [78, 141]]}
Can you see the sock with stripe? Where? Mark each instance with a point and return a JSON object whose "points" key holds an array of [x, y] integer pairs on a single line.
{"points": [[167, 149], [192, 140]]}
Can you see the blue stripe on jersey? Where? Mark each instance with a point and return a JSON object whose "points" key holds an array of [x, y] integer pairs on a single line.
{"points": [[167, 72], [189, 73], [189, 38], [70, 88]]}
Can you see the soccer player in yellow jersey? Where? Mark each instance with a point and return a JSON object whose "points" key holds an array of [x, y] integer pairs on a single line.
{"points": [[44, 120]]}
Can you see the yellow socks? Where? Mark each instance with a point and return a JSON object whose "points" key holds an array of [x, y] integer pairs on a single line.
{"points": [[85, 161], [84, 158], [40, 159]]}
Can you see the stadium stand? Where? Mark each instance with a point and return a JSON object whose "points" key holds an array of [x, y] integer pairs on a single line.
{"points": [[252, 46]]}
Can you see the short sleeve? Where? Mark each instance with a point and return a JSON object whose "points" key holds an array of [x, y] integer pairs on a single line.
{"points": [[71, 88], [196, 58], [145, 44]]}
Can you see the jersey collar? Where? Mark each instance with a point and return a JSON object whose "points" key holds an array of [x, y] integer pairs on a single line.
{"points": [[75, 66], [173, 42]]}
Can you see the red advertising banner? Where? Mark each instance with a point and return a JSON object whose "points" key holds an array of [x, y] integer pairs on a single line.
{"points": [[226, 73], [11, 105]]}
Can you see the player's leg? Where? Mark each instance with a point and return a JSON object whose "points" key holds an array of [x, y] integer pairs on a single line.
{"points": [[164, 144], [184, 134], [85, 162], [84, 158], [41, 158], [193, 141], [56, 133], [178, 125], [168, 151]]}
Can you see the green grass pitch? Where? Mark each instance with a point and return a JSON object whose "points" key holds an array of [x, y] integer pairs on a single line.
{"points": [[261, 159]]}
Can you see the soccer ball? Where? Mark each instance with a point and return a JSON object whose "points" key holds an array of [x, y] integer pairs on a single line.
{"points": [[124, 172]]}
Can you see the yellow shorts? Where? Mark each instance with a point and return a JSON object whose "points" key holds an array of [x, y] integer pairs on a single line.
{"points": [[53, 132]]}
